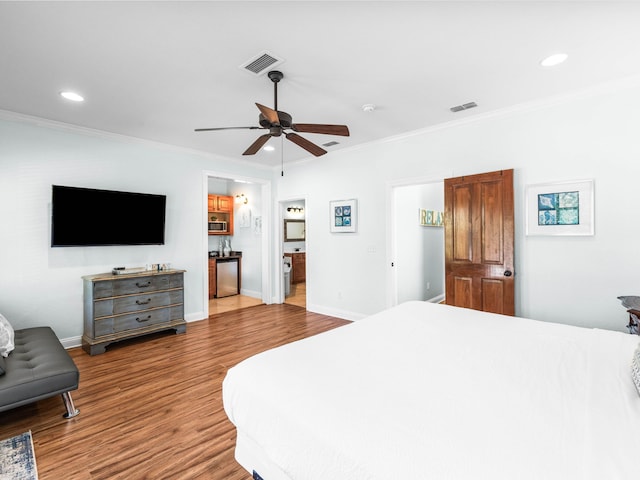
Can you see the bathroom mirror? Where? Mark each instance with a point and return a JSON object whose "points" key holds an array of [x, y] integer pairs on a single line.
{"points": [[294, 230]]}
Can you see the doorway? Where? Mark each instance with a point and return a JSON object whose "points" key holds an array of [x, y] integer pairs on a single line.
{"points": [[416, 240], [250, 238], [293, 236]]}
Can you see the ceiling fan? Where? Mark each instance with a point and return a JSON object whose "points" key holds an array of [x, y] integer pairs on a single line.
{"points": [[278, 122]]}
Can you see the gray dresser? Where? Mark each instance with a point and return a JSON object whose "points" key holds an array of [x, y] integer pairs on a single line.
{"points": [[118, 307]]}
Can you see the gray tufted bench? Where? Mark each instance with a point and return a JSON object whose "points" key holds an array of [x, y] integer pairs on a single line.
{"points": [[39, 367]]}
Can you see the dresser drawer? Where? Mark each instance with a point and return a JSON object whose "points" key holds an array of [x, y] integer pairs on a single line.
{"points": [[134, 303], [123, 323], [114, 288]]}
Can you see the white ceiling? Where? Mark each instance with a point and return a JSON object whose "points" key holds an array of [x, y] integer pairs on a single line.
{"points": [[157, 70]]}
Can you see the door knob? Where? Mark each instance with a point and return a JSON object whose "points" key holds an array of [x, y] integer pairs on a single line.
{"points": [[508, 273]]}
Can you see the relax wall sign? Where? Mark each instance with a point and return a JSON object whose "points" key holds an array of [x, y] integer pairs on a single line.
{"points": [[431, 218]]}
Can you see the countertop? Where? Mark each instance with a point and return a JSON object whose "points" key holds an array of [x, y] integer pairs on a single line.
{"points": [[143, 273], [231, 255]]}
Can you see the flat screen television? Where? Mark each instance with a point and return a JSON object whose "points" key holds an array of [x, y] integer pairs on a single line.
{"points": [[90, 217]]}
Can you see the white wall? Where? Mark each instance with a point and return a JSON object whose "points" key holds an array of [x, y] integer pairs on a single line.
{"points": [[40, 285], [572, 280], [245, 238]]}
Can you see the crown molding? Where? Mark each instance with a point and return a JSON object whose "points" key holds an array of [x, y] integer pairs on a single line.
{"points": [[92, 132]]}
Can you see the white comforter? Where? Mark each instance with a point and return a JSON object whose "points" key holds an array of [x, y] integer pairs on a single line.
{"points": [[425, 391]]}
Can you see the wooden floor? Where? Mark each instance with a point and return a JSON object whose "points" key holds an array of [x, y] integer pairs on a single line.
{"points": [[228, 304], [298, 295], [152, 408]]}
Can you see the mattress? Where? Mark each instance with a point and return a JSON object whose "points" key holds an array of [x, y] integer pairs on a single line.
{"points": [[432, 391]]}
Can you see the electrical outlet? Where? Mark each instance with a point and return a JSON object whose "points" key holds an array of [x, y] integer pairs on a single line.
{"points": [[428, 285]]}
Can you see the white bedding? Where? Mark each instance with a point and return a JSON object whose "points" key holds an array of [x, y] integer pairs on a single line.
{"points": [[426, 391]]}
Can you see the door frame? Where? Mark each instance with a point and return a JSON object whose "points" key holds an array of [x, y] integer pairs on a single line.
{"points": [[279, 248], [265, 247], [391, 240]]}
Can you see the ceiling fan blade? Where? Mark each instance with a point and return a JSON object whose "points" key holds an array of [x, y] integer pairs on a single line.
{"points": [[342, 130], [269, 113], [306, 144], [257, 145], [226, 128]]}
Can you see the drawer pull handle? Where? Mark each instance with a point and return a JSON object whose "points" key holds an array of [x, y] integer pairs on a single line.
{"points": [[143, 285], [138, 319], [139, 302]]}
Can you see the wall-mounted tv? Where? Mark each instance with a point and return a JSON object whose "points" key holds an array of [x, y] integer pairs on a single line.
{"points": [[90, 217]]}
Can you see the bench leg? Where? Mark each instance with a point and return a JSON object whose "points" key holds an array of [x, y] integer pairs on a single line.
{"points": [[72, 411]]}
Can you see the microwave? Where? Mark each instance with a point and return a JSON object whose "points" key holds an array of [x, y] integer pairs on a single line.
{"points": [[217, 226]]}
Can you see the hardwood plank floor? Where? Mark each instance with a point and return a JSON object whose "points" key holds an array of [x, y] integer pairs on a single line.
{"points": [[152, 408], [234, 302], [298, 295]]}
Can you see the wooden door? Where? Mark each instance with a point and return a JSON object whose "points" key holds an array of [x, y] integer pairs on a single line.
{"points": [[479, 250]]}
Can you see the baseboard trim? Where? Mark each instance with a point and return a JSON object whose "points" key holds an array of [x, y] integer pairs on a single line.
{"points": [[332, 312], [436, 299], [251, 293], [71, 342], [194, 317]]}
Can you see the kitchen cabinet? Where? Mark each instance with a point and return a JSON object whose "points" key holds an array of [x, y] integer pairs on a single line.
{"points": [[220, 209], [220, 203]]}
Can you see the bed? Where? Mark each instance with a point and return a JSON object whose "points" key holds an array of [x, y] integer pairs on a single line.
{"points": [[427, 391]]}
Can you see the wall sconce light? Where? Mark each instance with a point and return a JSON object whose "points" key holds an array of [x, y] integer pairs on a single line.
{"points": [[240, 198], [295, 209]]}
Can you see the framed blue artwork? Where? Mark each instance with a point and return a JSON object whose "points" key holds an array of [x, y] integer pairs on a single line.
{"points": [[343, 215], [562, 208]]}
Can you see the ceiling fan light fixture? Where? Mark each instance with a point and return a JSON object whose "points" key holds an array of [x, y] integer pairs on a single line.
{"points": [[269, 148], [73, 96], [553, 60]]}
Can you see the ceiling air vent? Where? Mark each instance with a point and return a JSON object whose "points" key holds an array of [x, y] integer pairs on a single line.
{"points": [[261, 63], [464, 106], [330, 144]]}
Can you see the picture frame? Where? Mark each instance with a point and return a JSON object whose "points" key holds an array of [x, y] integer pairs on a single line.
{"points": [[343, 216], [244, 220], [560, 208]]}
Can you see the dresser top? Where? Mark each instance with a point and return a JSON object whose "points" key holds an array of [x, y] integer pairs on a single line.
{"points": [[99, 277]]}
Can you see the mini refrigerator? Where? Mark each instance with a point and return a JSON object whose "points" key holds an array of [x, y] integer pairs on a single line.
{"points": [[226, 277]]}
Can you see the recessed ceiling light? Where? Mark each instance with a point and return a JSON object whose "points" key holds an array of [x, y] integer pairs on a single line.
{"points": [[73, 96], [269, 148], [553, 60]]}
